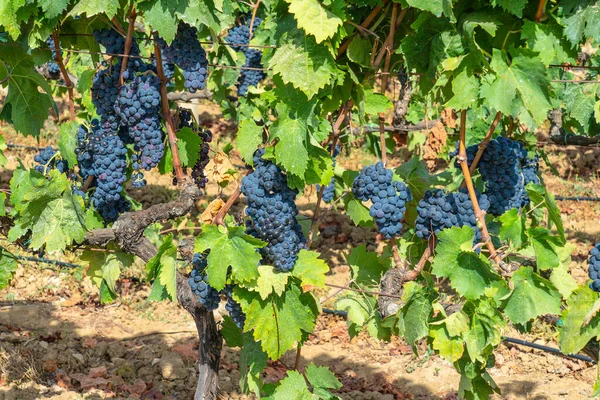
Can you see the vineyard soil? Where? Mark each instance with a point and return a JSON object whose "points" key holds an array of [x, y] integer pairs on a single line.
{"points": [[57, 342]]}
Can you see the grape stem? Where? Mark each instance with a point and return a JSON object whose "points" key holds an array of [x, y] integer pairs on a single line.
{"points": [[462, 157], [483, 145], [254, 10], [180, 176], [218, 220], [388, 45], [540, 13], [511, 127], [365, 24], [128, 41], [59, 60]]}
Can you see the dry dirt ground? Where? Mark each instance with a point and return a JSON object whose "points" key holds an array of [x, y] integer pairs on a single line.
{"points": [[57, 342]]}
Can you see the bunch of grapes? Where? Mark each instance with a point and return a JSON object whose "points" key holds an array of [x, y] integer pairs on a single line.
{"points": [[594, 268], [187, 53], [53, 68], [329, 191], [234, 308], [185, 118], [272, 209], [438, 211], [46, 160], [389, 197], [252, 71], [239, 36], [198, 281], [505, 170], [101, 152]]}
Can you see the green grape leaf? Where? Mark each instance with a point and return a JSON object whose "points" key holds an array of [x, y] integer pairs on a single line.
{"points": [[29, 97], [322, 377], [94, 7], [531, 297], [544, 247], [367, 267], [357, 211], [104, 268], [315, 19], [415, 174], [465, 87], [563, 281], [574, 333], [541, 198], [305, 64], [413, 317], [358, 309], [468, 272], [13, 13], [8, 267], [436, 7], [84, 85], [524, 80], [270, 281], [234, 337], [253, 360], [293, 387], [310, 269], [53, 8], [160, 15], [249, 137], [229, 247], [67, 142], [448, 346], [376, 103], [204, 12], [279, 321], [290, 149], [484, 331], [515, 7], [512, 227], [547, 40], [359, 51], [581, 19], [2, 204], [188, 144], [55, 217], [162, 268]]}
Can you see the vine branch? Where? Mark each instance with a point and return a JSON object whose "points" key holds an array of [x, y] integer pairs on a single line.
{"points": [[128, 42], [462, 157], [167, 116], [365, 24], [254, 10], [218, 220], [59, 60]]}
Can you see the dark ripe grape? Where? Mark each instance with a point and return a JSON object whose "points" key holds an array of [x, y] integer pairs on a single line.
{"points": [[186, 121], [234, 308], [438, 211], [389, 197], [272, 209], [594, 268], [46, 161], [252, 71], [506, 171], [101, 153], [187, 53], [198, 281]]}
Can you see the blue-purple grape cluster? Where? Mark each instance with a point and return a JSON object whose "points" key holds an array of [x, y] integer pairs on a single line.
{"points": [[198, 281], [234, 308], [198, 175], [388, 197], [272, 209], [252, 71], [52, 67], [505, 170], [46, 160], [594, 268], [102, 154], [438, 211], [329, 191], [138, 107], [187, 53]]}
